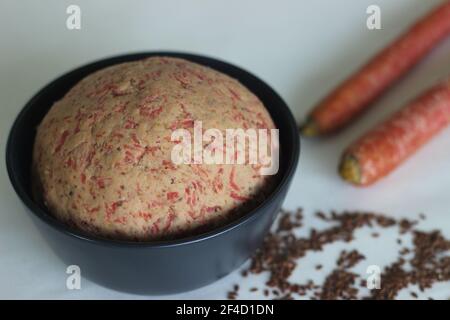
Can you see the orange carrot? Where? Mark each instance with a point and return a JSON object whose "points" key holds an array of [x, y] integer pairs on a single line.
{"points": [[381, 150], [358, 91]]}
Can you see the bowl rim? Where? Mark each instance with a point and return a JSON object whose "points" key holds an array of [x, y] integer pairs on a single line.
{"points": [[46, 217]]}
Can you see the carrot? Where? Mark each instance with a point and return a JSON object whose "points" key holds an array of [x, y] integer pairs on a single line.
{"points": [[358, 91], [382, 149]]}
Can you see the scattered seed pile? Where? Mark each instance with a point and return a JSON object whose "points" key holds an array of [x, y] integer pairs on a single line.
{"points": [[428, 265], [429, 260]]}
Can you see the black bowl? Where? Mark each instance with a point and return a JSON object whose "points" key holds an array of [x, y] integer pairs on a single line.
{"points": [[164, 266]]}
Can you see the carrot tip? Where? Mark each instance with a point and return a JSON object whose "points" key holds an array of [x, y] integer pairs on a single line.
{"points": [[349, 169], [309, 128]]}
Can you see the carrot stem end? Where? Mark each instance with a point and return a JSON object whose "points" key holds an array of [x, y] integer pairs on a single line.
{"points": [[350, 170], [309, 128]]}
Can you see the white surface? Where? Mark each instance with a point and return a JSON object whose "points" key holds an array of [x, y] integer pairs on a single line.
{"points": [[301, 48]]}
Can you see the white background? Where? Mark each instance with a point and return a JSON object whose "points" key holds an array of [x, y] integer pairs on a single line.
{"points": [[301, 48]]}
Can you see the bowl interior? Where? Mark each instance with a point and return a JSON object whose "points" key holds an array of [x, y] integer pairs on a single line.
{"points": [[21, 139]]}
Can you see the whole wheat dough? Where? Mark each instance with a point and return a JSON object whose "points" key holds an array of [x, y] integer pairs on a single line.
{"points": [[102, 155]]}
